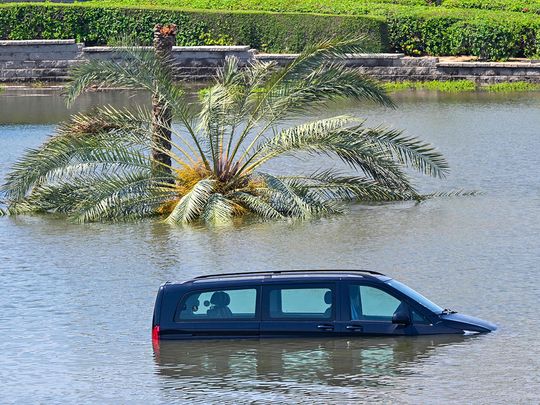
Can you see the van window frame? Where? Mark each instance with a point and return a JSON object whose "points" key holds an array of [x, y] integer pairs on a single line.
{"points": [[332, 285], [181, 301]]}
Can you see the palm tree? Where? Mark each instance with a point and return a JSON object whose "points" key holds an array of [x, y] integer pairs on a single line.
{"points": [[101, 165], [164, 39]]}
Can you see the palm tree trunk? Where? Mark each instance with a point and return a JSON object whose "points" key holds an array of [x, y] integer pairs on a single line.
{"points": [[164, 39]]}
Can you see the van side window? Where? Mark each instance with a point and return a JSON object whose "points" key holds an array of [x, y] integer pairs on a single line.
{"points": [[301, 303], [370, 303], [217, 304]]}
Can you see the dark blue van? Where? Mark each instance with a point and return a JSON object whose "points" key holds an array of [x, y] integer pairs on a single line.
{"points": [[301, 303]]}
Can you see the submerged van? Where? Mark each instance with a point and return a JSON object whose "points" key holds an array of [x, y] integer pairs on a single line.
{"points": [[301, 303]]}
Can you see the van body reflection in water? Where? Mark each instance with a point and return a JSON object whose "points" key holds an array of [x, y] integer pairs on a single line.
{"points": [[271, 369]]}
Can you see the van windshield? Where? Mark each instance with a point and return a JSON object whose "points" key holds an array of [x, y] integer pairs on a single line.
{"points": [[415, 296]]}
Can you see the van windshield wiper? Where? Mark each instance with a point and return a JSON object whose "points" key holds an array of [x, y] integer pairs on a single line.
{"points": [[447, 311]]}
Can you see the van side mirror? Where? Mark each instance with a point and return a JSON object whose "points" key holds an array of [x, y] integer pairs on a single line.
{"points": [[402, 317]]}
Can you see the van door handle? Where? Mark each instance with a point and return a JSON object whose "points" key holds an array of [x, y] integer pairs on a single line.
{"points": [[355, 328], [325, 327]]}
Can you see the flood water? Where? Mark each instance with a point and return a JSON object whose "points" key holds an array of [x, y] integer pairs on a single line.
{"points": [[76, 302]]}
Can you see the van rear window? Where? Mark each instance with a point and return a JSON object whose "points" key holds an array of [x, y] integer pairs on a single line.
{"points": [[218, 305]]}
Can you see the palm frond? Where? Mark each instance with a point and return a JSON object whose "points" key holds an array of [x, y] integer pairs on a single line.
{"points": [[317, 69], [450, 194], [218, 210], [329, 82], [191, 205], [316, 54], [128, 208], [113, 197], [330, 137], [60, 198], [316, 76], [285, 199], [229, 75], [214, 119], [297, 138], [99, 197], [257, 205], [335, 186], [133, 68], [138, 68], [132, 126], [315, 198], [409, 150], [186, 113], [67, 157]]}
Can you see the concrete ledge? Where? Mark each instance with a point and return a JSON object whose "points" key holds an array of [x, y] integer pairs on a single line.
{"points": [[491, 64], [239, 48], [291, 56], [235, 48], [34, 42], [375, 55], [99, 49]]}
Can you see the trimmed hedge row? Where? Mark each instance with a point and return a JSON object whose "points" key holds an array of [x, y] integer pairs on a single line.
{"points": [[268, 32], [418, 27], [458, 32], [414, 30], [520, 6], [347, 7]]}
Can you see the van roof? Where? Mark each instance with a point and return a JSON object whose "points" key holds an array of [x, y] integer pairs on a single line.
{"points": [[289, 274]]}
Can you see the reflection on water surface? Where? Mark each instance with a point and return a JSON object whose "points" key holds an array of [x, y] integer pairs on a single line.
{"points": [[339, 362]]}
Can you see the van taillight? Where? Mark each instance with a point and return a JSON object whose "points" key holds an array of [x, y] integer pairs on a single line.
{"points": [[155, 333]]}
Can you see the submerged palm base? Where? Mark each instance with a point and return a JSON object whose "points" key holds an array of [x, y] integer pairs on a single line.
{"points": [[98, 166]]}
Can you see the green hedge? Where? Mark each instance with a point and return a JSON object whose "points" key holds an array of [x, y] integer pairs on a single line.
{"points": [[465, 32], [417, 27], [522, 6], [414, 30], [287, 32], [348, 7]]}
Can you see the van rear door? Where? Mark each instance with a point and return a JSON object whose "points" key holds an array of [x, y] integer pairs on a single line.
{"points": [[299, 310]]}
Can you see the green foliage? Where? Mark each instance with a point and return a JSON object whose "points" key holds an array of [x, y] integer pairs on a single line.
{"points": [[269, 32], [456, 86], [355, 7], [512, 87], [450, 86], [98, 166], [349, 7], [415, 27], [522, 6], [488, 35]]}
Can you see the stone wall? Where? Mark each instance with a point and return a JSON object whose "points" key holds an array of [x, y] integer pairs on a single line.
{"points": [[45, 60], [50, 60], [398, 67], [192, 62]]}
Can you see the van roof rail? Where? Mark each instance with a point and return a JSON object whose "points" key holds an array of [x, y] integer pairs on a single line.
{"points": [[278, 272]]}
